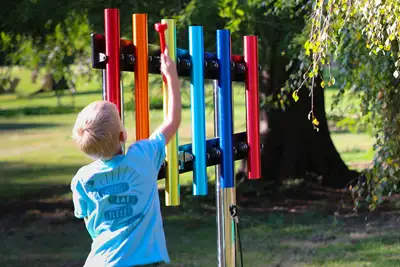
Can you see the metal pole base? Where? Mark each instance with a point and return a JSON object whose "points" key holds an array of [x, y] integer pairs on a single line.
{"points": [[229, 199]]}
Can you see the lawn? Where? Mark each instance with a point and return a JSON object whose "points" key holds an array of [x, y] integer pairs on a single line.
{"points": [[38, 159]]}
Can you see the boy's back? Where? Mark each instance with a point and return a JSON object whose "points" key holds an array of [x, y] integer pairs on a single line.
{"points": [[119, 198], [117, 194]]}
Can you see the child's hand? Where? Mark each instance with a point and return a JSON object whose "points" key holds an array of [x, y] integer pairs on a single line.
{"points": [[168, 66]]}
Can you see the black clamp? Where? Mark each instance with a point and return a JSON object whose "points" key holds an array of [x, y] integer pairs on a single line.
{"points": [[234, 211]]}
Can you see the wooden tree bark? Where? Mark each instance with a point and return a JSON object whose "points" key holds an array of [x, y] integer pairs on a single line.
{"points": [[292, 148]]}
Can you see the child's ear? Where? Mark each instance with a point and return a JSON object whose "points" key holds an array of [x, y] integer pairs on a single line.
{"points": [[123, 136]]}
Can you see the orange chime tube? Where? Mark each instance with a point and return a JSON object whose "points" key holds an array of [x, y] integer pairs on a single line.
{"points": [[140, 41]]}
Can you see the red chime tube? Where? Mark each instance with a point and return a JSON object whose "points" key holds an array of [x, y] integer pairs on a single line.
{"points": [[252, 106], [113, 75]]}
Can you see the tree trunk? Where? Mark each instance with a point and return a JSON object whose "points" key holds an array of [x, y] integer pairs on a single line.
{"points": [[293, 148]]}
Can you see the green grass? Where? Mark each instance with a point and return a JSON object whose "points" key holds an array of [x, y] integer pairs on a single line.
{"points": [[38, 158], [354, 148], [379, 250], [267, 240]]}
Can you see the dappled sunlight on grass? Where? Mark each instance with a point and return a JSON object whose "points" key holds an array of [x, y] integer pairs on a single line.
{"points": [[380, 250], [271, 239], [354, 148]]}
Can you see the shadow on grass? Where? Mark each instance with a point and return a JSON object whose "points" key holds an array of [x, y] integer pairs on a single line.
{"points": [[45, 243], [65, 93], [191, 240], [38, 228], [40, 110], [20, 190], [155, 104], [269, 237], [25, 126], [381, 250]]}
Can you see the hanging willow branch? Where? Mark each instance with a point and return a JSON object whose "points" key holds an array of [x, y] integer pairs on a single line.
{"points": [[380, 26]]}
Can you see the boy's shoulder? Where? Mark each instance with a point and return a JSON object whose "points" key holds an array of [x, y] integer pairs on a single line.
{"points": [[85, 172], [156, 139]]}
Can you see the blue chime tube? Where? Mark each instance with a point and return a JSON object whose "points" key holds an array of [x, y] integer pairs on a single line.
{"points": [[196, 51], [225, 108], [225, 132]]}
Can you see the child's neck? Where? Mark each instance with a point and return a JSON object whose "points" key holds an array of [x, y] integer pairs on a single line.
{"points": [[120, 151]]}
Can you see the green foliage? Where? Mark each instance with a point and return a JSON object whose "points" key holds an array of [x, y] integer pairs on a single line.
{"points": [[363, 37], [65, 45]]}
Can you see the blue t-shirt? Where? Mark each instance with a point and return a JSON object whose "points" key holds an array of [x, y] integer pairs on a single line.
{"points": [[119, 199]]}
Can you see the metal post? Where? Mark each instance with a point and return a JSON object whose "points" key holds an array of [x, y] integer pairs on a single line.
{"points": [[104, 86], [122, 105], [218, 190], [122, 97]]}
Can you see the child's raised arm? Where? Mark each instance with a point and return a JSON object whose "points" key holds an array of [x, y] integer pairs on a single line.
{"points": [[171, 123]]}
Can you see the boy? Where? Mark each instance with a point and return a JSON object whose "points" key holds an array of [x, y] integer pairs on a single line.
{"points": [[117, 194]]}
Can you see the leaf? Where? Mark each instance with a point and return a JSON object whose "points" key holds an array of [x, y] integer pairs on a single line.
{"points": [[315, 70], [307, 45], [310, 74], [323, 84], [315, 122], [240, 12], [333, 80], [396, 74], [295, 96]]}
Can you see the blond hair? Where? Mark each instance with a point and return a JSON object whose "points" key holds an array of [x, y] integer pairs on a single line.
{"points": [[97, 130]]}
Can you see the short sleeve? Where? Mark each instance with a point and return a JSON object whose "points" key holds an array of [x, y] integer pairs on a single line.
{"points": [[155, 148], [80, 205]]}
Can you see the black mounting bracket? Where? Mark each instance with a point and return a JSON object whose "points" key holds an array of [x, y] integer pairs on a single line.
{"points": [[184, 64]]}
